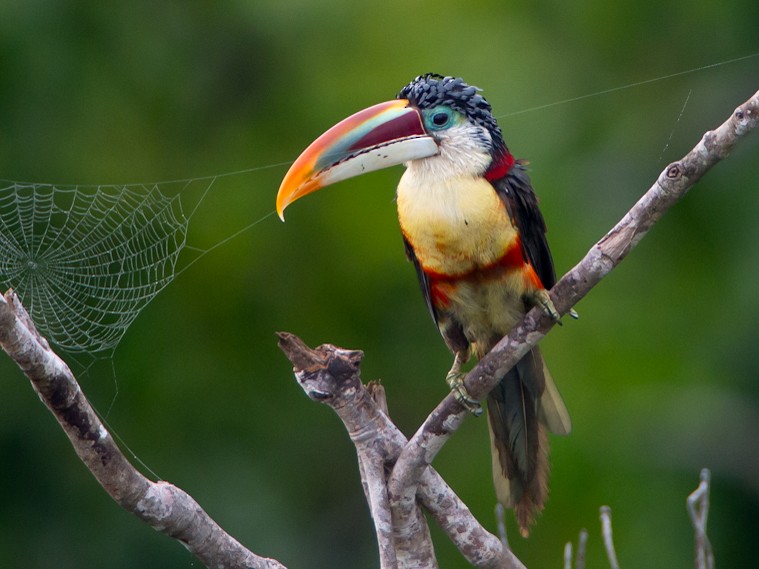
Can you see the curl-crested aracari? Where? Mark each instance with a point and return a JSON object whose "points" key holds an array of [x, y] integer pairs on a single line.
{"points": [[472, 228]]}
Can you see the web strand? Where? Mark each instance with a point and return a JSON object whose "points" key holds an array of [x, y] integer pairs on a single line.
{"points": [[630, 85]]}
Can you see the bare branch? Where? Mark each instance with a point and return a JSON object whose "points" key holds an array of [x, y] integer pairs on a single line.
{"points": [[672, 184], [165, 507], [582, 547], [582, 544], [372, 473], [404, 479], [368, 425], [372, 468], [331, 375], [698, 509], [608, 538], [480, 548], [568, 555]]}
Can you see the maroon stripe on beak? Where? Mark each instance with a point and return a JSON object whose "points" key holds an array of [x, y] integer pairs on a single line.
{"points": [[409, 124]]}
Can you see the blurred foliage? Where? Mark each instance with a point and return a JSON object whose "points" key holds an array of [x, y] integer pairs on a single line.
{"points": [[660, 373]]}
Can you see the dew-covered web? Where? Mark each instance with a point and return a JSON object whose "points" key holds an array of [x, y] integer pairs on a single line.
{"points": [[86, 260]]}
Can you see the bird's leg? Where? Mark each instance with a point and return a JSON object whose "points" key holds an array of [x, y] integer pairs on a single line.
{"points": [[541, 298], [455, 380]]}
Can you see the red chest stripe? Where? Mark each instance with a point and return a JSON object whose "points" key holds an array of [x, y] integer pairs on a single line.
{"points": [[513, 259]]}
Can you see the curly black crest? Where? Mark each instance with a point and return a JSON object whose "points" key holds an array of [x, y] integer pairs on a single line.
{"points": [[431, 89]]}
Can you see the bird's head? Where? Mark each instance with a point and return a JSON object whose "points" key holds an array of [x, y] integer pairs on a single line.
{"points": [[439, 123]]}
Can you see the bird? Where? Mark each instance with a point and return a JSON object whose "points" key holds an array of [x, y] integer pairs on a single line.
{"points": [[471, 227]]}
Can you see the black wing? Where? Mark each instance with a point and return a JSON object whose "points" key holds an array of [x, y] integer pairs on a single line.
{"points": [[424, 282], [515, 191]]}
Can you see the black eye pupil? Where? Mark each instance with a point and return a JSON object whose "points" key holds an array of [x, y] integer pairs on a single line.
{"points": [[440, 119]]}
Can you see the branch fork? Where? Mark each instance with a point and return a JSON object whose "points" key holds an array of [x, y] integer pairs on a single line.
{"points": [[402, 532]]}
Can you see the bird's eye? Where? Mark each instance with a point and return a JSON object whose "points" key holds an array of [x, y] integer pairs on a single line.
{"points": [[440, 119]]}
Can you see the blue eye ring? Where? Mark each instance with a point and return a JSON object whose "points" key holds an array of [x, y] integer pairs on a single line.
{"points": [[439, 118]]}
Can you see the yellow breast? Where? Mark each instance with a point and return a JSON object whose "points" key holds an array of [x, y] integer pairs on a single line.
{"points": [[455, 225]]}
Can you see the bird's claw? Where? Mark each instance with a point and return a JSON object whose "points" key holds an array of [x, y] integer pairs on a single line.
{"points": [[542, 299], [455, 380]]}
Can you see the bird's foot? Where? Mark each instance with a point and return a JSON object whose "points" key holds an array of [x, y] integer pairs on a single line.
{"points": [[455, 380], [542, 299]]}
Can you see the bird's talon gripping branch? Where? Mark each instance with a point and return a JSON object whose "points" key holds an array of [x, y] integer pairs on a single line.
{"points": [[455, 380], [541, 298]]}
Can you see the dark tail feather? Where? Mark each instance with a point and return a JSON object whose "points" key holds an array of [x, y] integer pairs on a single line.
{"points": [[521, 410]]}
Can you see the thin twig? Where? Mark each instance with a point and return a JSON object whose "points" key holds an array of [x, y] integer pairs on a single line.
{"points": [[582, 543], [582, 547], [568, 555], [608, 538], [698, 509]]}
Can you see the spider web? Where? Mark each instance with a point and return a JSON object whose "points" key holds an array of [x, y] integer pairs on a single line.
{"points": [[86, 260]]}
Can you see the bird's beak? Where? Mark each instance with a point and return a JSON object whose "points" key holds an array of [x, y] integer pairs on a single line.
{"points": [[383, 135]]}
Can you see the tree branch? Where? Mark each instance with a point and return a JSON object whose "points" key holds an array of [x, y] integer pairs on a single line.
{"points": [[698, 510], [606, 533], [163, 506], [672, 184], [331, 375]]}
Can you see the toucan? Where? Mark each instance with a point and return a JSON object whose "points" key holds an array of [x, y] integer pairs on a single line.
{"points": [[472, 229]]}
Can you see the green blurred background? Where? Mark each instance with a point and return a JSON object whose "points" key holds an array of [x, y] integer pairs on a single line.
{"points": [[661, 373]]}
